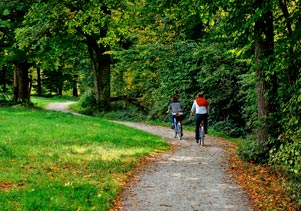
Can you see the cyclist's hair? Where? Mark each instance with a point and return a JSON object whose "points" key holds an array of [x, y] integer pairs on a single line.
{"points": [[200, 94], [175, 98]]}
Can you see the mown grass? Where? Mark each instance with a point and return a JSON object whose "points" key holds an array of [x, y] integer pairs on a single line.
{"points": [[58, 161]]}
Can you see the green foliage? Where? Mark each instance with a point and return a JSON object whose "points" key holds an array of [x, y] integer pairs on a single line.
{"points": [[286, 150], [247, 94], [230, 128], [185, 68], [87, 103], [218, 78], [5, 99], [288, 156], [253, 151], [294, 190]]}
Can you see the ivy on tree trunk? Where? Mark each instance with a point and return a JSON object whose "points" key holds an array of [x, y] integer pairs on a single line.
{"points": [[266, 86]]}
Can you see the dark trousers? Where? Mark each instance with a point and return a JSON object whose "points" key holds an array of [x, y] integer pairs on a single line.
{"points": [[198, 119]]}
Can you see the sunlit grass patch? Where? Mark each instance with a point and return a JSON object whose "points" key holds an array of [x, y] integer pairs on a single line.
{"points": [[58, 161]]}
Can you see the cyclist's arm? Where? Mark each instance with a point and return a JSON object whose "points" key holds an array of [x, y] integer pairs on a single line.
{"points": [[193, 109], [168, 109]]}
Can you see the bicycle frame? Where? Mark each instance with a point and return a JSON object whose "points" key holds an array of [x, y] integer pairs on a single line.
{"points": [[202, 134]]}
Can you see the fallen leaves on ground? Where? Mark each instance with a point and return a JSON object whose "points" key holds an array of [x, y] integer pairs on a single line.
{"points": [[8, 185], [267, 191]]}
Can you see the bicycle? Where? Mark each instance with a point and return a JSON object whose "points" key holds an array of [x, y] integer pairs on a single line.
{"points": [[201, 134], [177, 121]]}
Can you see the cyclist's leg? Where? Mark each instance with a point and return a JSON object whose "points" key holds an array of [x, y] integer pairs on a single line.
{"points": [[175, 128], [176, 125], [172, 120], [197, 126], [181, 128]]}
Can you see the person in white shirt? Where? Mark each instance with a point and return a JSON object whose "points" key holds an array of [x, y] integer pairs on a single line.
{"points": [[200, 110]]}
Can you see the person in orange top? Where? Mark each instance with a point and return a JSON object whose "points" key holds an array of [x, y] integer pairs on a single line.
{"points": [[200, 109]]}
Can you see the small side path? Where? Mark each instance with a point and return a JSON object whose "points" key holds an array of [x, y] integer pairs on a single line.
{"points": [[62, 107], [189, 178]]}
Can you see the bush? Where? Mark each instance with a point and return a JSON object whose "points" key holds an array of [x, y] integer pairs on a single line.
{"points": [[288, 156], [5, 100], [229, 128], [253, 151], [87, 103]]}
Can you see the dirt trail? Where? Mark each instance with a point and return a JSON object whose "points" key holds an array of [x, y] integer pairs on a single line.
{"points": [[190, 178]]}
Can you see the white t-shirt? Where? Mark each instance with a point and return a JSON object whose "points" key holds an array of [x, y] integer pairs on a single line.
{"points": [[198, 109]]}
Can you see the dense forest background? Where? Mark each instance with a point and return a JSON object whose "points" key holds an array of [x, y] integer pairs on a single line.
{"points": [[244, 55]]}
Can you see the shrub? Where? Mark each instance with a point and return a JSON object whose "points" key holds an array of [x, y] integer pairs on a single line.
{"points": [[288, 156], [5, 100], [229, 128], [253, 151], [87, 103]]}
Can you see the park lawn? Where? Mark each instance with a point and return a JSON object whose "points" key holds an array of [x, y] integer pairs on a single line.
{"points": [[58, 161]]}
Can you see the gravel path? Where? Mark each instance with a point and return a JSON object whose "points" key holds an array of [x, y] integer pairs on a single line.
{"points": [[189, 178]]}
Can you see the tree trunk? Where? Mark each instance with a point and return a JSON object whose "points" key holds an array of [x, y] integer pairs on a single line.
{"points": [[21, 83], [4, 89], [59, 91], [94, 70], [39, 85], [59, 82], [101, 73], [104, 81], [266, 85], [74, 86]]}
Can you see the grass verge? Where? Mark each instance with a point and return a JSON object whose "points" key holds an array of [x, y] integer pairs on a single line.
{"points": [[58, 161]]}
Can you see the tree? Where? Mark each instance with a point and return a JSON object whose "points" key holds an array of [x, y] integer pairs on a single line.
{"points": [[266, 82], [90, 22], [12, 17]]}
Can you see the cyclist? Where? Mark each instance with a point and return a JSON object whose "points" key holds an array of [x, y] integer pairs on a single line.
{"points": [[200, 110], [174, 107]]}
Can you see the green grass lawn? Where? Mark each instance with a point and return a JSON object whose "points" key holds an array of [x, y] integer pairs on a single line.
{"points": [[57, 161]]}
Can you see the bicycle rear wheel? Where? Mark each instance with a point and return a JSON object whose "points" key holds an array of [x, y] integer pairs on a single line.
{"points": [[202, 135], [177, 129], [180, 132]]}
